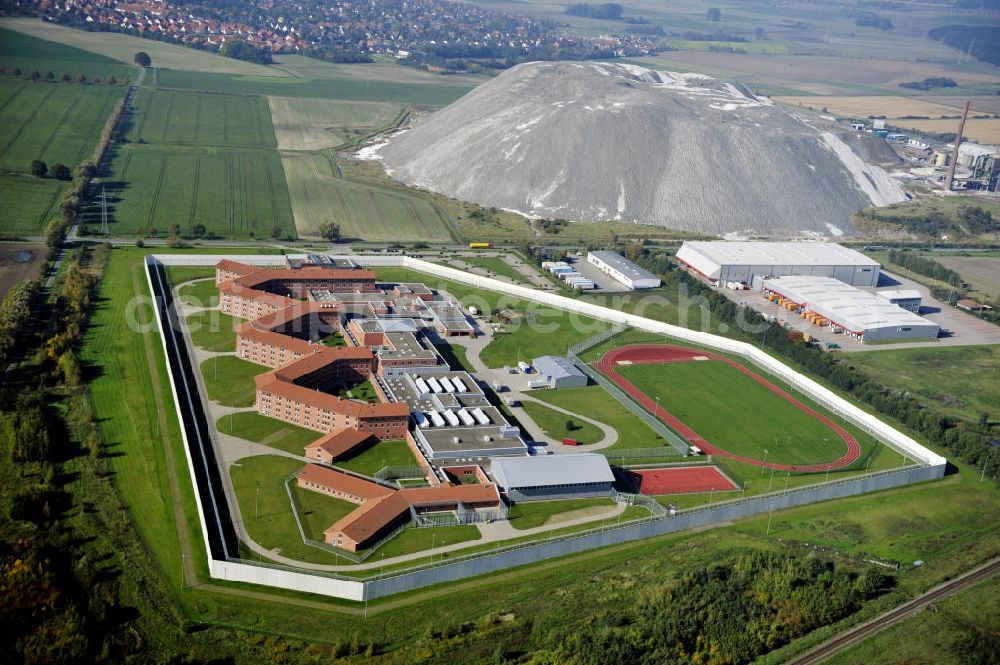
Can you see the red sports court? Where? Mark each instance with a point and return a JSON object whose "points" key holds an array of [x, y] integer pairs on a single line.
{"points": [[683, 479]]}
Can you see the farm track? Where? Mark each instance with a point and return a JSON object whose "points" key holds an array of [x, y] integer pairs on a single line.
{"points": [[230, 195], [270, 191], [194, 192], [58, 125], [663, 353], [14, 135], [347, 210], [197, 121], [10, 99], [225, 121], [877, 625], [416, 219], [169, 114], [48, 208], [156, 192]]}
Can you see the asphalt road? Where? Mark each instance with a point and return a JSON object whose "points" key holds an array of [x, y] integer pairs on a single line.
{"points": [[880, 623]]}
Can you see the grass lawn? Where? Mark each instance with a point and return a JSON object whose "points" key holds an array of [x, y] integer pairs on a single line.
{"points": [[530, 514], [496, 266], [543, 331], [556, 425], [734, 412], [382, 454], [229, 380], [415, 540], [319, 511], [336, 340], [213, 330], [179, 274], [455, 356], [959, 380], [596, 403], [252, 426], [267, 514], [200, 294], [362, 391]]}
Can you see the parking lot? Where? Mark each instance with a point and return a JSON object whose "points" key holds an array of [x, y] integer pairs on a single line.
{"points": [[957, 327]]}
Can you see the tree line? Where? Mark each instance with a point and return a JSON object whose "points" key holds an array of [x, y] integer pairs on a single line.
{"points": [[966, 221], [924, 266], [36, 75]]}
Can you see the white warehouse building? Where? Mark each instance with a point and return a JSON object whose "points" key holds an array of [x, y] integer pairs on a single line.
{"points": [[623, 271], [737, 261], [860, 314]]}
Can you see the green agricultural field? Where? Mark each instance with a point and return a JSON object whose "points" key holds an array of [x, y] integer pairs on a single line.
{"points": [[429, 94], [212, 330], [118, 50], [382, 454], [267, 514], [365, 212], [557, 425], [272, 432], [176, 118], [596, 403], [319, 511], [531, 514], [959, 380], [734, 412], [58, 123], [29, 203], [233, 194], [28, 52], [229, 380], [314, 124]]}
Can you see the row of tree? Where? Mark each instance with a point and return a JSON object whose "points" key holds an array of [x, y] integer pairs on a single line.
{"points": [[15, 316], [966, 221], [49, 75], [924, 266]]}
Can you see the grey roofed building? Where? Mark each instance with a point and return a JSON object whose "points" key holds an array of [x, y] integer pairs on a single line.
{"points": [[544, 477], [559, 372], [623, 270]]}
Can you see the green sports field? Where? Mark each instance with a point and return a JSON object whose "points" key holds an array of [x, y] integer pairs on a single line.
{"points": [[736, 413]]}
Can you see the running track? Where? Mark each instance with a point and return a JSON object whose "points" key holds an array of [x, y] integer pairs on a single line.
{"points": [[644, 354]]}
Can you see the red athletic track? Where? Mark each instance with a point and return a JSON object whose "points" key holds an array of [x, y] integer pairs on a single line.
{"points": [[644, 354], [684, 479]]}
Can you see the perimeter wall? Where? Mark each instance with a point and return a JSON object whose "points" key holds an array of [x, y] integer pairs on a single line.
{"points": [[224, 565]]}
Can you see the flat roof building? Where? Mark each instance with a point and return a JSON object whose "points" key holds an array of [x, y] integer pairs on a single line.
{"points": [[544, 477], [725, 261], [908, 299], [623, 271], [859, 313], [559, 372]]}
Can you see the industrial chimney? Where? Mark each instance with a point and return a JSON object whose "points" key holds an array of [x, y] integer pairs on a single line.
{"points": [[949, 179]]}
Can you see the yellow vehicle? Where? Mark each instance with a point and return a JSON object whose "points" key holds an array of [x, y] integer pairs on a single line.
{"points": [[480, 245]]}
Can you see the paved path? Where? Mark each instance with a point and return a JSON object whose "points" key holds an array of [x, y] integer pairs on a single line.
{"points": [[878, 624]]}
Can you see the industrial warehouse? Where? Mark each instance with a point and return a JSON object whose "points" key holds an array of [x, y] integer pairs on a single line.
{"points": [[725, 262], [623, 271], [859, 314]]}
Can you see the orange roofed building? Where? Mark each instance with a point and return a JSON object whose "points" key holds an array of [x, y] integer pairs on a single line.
{"points": [[382, 508]]}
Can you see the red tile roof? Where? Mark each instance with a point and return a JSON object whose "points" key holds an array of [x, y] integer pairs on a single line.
{"points": [[337, 444]]}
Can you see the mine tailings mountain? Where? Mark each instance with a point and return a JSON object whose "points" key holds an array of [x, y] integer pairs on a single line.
{"points": [[594, 142]]}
